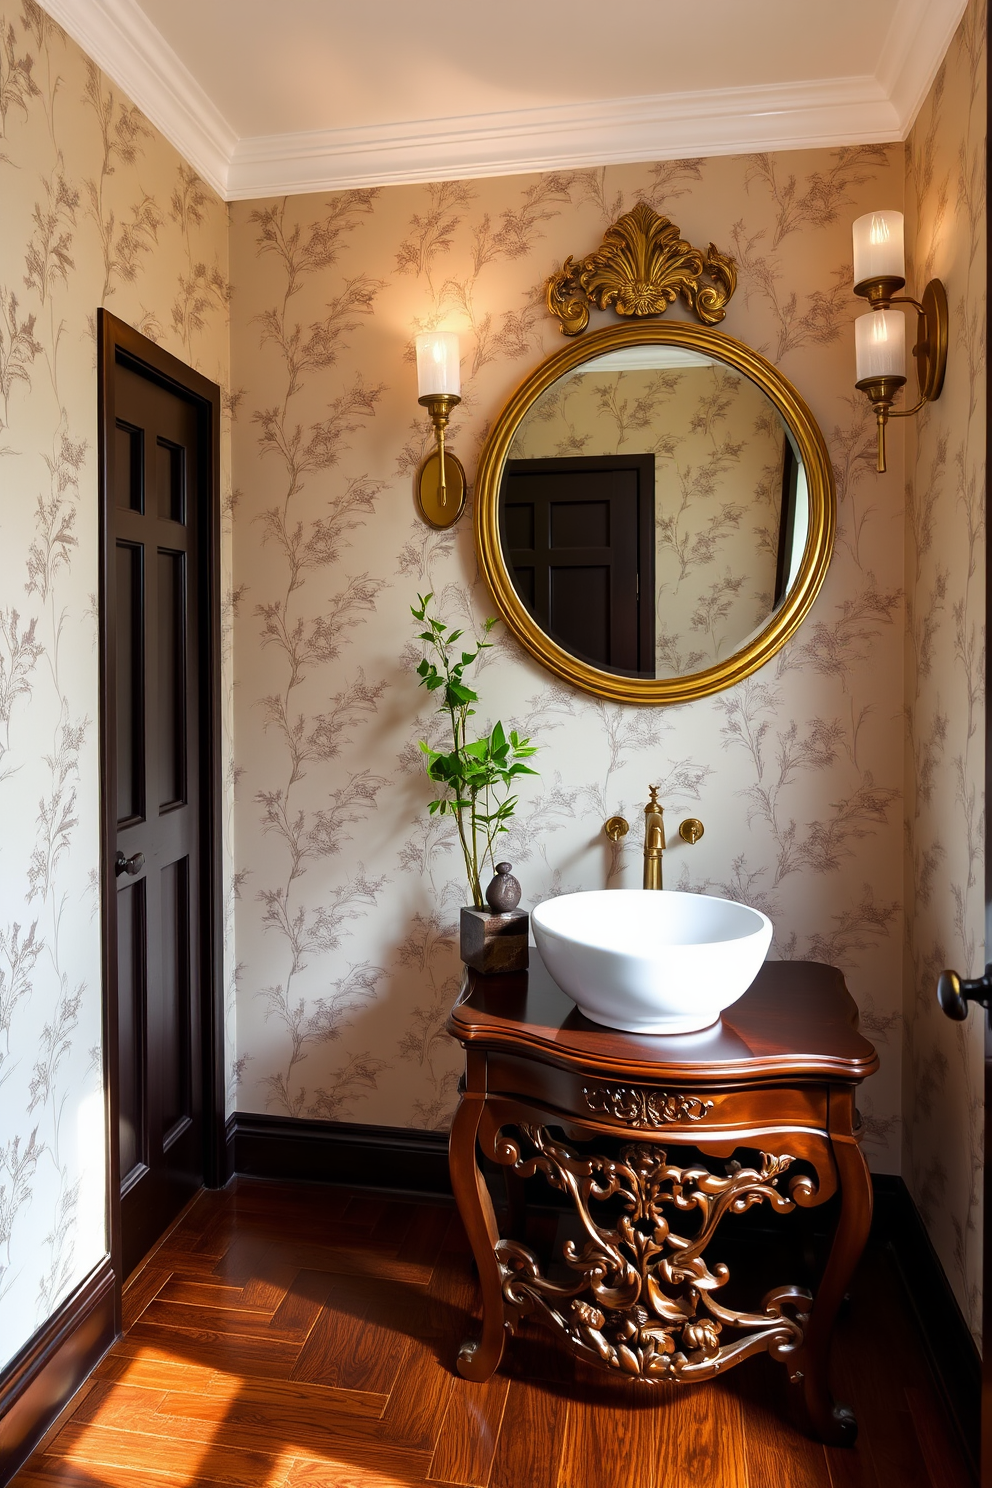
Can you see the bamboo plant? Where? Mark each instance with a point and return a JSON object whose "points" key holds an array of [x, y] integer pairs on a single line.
{"points": [[477, 775]]}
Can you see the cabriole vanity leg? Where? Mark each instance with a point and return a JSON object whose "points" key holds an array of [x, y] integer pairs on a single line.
{"points": [[830, 1423], [477, 1360]]}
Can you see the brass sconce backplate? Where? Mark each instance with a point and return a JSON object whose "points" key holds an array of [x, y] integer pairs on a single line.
{"points": [[441, 478], [428, 489], [931, 348], [641, 267]]}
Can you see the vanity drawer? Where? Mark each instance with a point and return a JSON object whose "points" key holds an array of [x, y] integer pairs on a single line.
{"points": [[647, 1109]]}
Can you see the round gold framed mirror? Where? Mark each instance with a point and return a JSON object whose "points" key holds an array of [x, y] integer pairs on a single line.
{"points": [[655, 512]]}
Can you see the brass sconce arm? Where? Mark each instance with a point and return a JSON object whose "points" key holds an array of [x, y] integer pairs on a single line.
{"points": [[930, 352], [440, 484], [439, 406]]}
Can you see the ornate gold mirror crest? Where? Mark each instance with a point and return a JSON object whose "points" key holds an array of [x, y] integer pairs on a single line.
{"points": [[641, 267], [716, 565]]}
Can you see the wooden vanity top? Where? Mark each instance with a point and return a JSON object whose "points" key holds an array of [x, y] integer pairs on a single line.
{"points": [[796, 1019]]}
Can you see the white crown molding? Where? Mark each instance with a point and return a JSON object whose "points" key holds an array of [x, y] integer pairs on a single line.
{"points": [[915, 47], [124, 44], [728, 121], [820, 114]]}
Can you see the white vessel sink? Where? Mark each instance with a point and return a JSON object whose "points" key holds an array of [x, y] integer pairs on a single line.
{"points": [[651, 961]]}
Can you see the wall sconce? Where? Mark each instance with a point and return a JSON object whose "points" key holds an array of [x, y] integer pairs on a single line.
{"points": [[440, 479], [880, 337]]}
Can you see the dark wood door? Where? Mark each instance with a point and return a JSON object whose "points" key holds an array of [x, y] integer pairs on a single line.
{"points": [[156, 656], [579, 537]]}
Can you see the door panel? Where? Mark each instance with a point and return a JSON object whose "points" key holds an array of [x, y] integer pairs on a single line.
{"points": [[154, 514], [579, 534], [131, 961]]}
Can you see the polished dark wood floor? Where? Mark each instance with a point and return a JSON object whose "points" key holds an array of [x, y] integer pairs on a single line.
{"points": [[299, 1336]]}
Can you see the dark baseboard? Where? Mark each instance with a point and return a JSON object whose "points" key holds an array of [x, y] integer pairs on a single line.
{"points": [[40, 1381], [947, 1340], [388, 1157]]}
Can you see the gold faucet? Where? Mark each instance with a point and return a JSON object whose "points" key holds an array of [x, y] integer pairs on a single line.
{"points": [[654, 840]]}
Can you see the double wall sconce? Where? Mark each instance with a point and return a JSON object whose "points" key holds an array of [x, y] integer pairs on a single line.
{"points": [[441, 478], [880, 337]]}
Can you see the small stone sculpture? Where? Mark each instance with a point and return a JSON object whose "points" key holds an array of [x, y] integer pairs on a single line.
{"points": [[503, 894]]}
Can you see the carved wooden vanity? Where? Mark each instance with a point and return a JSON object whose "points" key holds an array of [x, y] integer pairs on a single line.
{"points": [[777, 1077]]}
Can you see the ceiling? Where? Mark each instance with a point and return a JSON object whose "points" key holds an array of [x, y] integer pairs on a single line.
{"points": [[313, 95]]}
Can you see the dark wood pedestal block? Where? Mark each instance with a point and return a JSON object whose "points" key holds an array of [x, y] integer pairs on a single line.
{"points": [[597, 1112]]}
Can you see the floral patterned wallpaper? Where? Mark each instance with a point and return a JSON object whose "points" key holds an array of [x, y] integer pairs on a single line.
{"points": [[349, 891], [95, 208], [719, 447], [344, 962], [943, 1096]]}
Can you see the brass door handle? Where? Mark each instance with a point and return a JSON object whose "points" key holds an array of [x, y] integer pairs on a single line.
{"points": [[132, 865], [954, 993]]}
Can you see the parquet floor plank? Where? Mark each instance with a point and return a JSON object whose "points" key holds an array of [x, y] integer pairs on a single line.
{"points": [[244, 1322], [332, 1345], [700, 1437], [243, 1260], [531, 1438], [407, 1472], [466, 1444], [132, 1364], [232, 1353], [305, 1299], [609, 1444], [111, 1403], [183, 1457], [52, 1472], [201, 1293], [774, 1450], [311, 1429], [362, 1261], [425, 1237], [280, 1394]]}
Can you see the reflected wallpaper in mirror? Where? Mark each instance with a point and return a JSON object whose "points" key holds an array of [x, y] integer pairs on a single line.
{"points": [[653, 510]]}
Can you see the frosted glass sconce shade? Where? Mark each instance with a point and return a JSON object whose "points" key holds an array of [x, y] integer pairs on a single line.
{"points": [[879, 251], [441, 478], [880, 344], [438, 370]]}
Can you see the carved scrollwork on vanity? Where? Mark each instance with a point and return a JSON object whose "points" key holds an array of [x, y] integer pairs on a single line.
{"points": [[642, 1299], [635, 1106]]}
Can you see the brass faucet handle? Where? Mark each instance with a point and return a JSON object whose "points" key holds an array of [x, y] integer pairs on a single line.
{"points": [[691, 830], [616, 828]]}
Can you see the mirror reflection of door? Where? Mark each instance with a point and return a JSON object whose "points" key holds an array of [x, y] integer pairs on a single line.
{"points": [[730, 499], [579, 537]]}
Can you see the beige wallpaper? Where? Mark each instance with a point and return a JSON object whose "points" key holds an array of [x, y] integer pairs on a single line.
{"points": [[718, 446], [345, 960], [349, 892], [943, 1098], [95, 208]]}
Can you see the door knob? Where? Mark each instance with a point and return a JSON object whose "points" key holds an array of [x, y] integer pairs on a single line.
{"points": [[130, 865], [954, 993]]}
